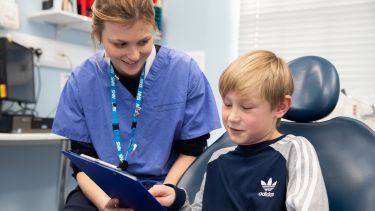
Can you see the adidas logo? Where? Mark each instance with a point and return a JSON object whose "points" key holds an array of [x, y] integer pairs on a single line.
{"points": [[268, 187]]}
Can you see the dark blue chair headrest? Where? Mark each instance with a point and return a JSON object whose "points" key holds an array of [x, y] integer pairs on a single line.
{"points": [[316, 89]]}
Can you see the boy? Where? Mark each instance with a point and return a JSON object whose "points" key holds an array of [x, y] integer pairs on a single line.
{"points": [[267, 170]]}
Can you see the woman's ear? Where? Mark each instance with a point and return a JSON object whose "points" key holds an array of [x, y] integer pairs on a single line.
{"points": [[283, 106]]}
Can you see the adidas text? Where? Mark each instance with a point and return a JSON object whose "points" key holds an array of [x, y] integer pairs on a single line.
{"points": [[266, 194]]}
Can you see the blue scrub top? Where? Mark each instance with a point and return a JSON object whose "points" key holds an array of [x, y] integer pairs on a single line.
{"points": [[177, 104]]}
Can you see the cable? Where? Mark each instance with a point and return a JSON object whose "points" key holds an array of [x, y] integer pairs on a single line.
{"points": [[38, 52], [62, 54], [39, 88]]}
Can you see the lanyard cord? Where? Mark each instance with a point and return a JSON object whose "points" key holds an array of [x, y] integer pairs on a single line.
{"points": [[115, 122]]}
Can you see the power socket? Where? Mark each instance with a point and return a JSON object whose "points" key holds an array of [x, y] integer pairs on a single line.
{"points": [[60, 56]]}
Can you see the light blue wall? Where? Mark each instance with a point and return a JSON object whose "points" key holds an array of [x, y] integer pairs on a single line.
{"points": [[28, 178], [50, 77], [209, 25], [195, 25]]}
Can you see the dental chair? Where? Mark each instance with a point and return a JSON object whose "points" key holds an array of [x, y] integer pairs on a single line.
{"points": [[345, 146]]}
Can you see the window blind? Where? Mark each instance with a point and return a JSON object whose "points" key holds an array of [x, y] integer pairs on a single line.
{"points": [[342, 31]]}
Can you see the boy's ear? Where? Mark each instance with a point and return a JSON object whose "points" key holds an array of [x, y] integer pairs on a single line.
{"points": [[283, 106]]}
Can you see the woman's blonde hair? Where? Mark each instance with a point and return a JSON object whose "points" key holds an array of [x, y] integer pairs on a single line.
{"points": [[125, 12], [261, 72]]}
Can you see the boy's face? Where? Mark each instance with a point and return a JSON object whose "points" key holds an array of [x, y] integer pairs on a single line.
{"points": [[249, 119]]}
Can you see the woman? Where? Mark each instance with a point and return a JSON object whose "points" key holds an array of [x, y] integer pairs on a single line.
{"points": [[148, 109]]}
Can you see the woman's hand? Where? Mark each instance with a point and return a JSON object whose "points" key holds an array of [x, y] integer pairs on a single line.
{"points": [[114, 205], [165, 195]]}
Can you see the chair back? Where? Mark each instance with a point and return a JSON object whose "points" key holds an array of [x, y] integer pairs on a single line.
{"points": [[345, 146]]}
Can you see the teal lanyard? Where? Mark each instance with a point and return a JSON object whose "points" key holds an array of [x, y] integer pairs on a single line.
{"points": [[115, 124]]}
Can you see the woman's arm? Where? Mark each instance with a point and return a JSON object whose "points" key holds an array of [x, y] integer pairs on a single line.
{"points": [[97, 196], [178, 168], [92, 191], [189, 150]]}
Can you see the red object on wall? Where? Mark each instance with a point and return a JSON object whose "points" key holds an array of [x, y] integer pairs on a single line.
{"points": [[85, 7]]}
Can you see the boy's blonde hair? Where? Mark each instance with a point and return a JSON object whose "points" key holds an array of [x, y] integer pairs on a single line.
{"points": [[258, 72], [125, 12]]}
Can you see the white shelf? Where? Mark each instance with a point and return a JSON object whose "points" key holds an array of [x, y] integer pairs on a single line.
{"points": [[63, 19]]}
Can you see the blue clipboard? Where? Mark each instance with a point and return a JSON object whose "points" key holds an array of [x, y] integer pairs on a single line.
{"points": [[117, 184]]}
